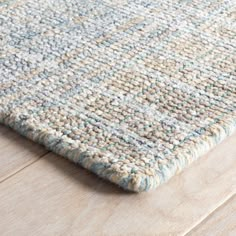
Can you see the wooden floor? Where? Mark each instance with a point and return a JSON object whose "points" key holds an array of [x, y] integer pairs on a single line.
{"points": [[44, 194]]}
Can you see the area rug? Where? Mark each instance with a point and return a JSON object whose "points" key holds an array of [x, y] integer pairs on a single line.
{"points": [[132, 90]]}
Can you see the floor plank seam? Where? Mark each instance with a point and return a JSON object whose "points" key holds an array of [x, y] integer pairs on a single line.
{"points": [[188, 233], [24, 167]]}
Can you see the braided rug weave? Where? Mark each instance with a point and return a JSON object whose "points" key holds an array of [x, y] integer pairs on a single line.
{"points": [[133, 90]]}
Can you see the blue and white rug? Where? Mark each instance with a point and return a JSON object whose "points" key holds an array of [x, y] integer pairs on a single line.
{"points": [[132, 90]]}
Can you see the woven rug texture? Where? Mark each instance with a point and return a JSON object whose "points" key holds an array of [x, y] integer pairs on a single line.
{"points": [[132, 90]]}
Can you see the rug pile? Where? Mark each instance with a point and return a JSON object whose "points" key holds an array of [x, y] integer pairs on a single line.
{"points": [[132, 90]]}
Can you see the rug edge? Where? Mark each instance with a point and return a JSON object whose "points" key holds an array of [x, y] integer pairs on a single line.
{"points": [[131, 181]]}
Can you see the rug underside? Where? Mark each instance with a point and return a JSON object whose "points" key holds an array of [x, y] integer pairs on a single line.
{"points": [[132, 90]]}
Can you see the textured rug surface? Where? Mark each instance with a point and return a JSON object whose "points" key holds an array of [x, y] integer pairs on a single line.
{"points": [[132, 90]]}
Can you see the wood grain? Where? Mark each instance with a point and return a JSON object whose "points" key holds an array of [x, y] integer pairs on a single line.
{"points": [[55, 197], [16, 152], [220, 223]]}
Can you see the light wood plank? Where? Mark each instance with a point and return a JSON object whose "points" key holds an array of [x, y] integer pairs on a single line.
{"points": [[55, 197], [221, 222], [16, 152]]}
